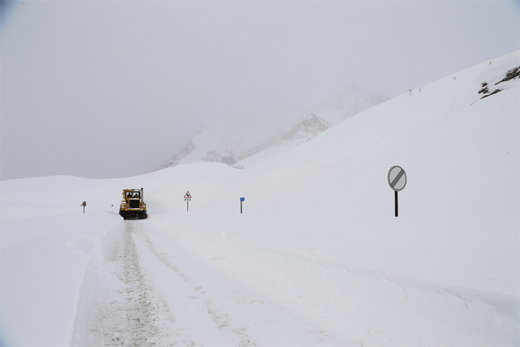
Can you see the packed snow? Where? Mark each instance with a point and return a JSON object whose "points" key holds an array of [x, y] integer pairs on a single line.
{"points": [[317, 258]]}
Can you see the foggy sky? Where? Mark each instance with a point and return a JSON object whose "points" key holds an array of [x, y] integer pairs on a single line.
{"points": [[112, 89]]}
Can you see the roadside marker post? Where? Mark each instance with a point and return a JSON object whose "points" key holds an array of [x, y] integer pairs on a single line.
{"points": [[241, 199], [187, 198], [397, 181], [84, 204]]}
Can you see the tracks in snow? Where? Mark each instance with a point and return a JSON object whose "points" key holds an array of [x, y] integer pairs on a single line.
{"points": [[133, 306], [131, 313]]}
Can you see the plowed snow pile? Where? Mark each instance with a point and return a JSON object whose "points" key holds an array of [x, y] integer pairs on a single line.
{"points": [[317, 257]]}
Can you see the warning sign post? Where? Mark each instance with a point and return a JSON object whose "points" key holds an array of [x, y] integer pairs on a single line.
{"points": [[187, 198]]}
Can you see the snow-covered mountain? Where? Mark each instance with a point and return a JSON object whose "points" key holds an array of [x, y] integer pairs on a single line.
{"points": [[231, 145], [303, 131], [217, 143], [346, 104]]}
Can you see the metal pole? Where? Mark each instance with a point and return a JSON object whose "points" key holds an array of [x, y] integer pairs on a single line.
{"points": [[240, 206], [187, 205], [396, 203]]}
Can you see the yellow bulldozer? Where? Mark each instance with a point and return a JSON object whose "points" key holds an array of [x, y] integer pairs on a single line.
{"points": [[132, 205]]}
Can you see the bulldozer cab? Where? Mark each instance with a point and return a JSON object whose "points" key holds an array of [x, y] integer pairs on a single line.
{"points": [[131, 193]]}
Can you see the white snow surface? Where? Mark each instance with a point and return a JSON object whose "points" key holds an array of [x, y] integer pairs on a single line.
{"points": [[317, 258]]}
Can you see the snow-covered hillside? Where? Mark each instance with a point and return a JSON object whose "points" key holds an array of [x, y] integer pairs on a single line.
{"points": [[348, 103], [229, 145], [222, 144], [317, 257]]}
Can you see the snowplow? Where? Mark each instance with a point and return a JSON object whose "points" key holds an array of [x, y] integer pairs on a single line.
{"points": [[132, 205]]}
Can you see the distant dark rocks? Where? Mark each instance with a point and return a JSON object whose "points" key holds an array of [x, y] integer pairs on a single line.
{"points": [[496, 91], [510, 75]]}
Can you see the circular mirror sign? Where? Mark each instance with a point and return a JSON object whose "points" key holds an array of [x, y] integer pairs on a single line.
{"points": [[397, 178]]}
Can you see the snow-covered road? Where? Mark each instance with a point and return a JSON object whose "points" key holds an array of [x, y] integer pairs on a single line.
{"points": [[158, 279], [149, 307], [150, 290], [133, 314]]}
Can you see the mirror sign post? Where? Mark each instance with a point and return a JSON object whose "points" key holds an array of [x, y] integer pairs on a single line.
{"points": [[187, 198], [241, 199], [397, 181]]}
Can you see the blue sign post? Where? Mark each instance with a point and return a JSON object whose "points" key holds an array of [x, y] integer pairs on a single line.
{"points": [[241, 199]]}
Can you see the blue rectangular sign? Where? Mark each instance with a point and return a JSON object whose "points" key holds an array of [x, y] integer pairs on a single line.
{"points": [[242, 199]]}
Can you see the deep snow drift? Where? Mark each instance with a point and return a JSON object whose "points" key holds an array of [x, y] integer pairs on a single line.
{"points": [[317, 256]]}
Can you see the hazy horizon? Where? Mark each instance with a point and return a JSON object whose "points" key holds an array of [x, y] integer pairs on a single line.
{"points": [[113, 89]]}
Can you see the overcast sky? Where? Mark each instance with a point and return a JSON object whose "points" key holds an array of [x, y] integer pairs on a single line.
{"points": [[105, 89]]}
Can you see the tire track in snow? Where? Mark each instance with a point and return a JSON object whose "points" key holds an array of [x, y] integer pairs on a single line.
{"points": [[134, 314]]}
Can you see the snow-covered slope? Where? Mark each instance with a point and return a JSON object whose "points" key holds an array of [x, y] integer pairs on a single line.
{"points": [[348, 103], [317, 256], [303, 131], [229, 145]]}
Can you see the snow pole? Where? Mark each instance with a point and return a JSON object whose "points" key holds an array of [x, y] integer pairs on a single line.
{"points": [[396, 208]]}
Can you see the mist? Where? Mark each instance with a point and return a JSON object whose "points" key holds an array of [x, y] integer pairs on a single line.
{"points": [[112, 89]]}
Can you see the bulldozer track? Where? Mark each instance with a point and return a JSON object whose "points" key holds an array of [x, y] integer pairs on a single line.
{"points": [[135, 315]]}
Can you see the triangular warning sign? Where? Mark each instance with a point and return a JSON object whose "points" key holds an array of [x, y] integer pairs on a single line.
{"points": [[187, 195]]}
